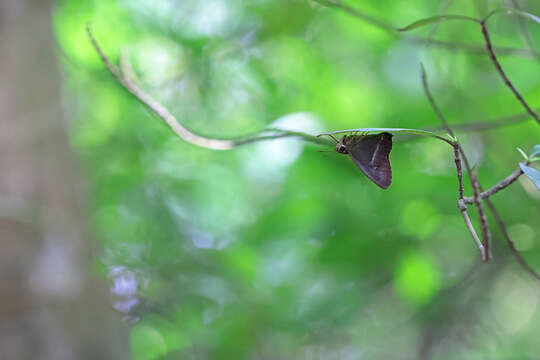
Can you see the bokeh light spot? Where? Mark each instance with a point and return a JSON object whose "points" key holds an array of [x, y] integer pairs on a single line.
{"points": [[420, 219], [513, 303], [417, 278]]}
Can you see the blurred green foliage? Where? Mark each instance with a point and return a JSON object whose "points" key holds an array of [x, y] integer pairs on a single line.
{"points": [[274, 250]]}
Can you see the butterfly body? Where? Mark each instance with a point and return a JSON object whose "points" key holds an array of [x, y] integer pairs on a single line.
{"points": [[370, 153]]}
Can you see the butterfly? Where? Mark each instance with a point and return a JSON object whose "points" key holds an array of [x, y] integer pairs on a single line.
{"points": [[371, 154]]}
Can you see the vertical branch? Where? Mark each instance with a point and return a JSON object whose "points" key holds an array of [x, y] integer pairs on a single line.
{"points": [[463, 208], [457, 159], [486, 235], [433, 104], [501, 72], [478, 191]]}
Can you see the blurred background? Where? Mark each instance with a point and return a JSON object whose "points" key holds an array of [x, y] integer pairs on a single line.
{"points": [[118, 240]]}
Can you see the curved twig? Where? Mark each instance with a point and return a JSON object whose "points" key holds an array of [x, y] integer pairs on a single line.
{"points": [[391, 30], [504, 183], [163, 113], [493, 123], [501, 72], [497, 187], [484, 245], [486, 235]]}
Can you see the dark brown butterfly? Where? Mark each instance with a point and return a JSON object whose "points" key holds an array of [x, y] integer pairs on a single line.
{"points": [[371, 154]]}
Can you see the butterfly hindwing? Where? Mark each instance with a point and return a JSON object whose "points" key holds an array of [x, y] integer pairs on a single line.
{"points": [[371, 154]]}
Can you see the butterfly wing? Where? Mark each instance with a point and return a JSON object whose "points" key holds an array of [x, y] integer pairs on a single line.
{"points": [[371, 154]]}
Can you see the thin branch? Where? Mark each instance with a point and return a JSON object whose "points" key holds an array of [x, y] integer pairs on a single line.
{"points": [[463, 207], [510, 179], [495, 123], [483, 247], [501, 72], [391, 30], [163, 113], [432, 102], [470, 226], [485, 125], [486, 235], [473, 48], [457, 160], [502, 227]]}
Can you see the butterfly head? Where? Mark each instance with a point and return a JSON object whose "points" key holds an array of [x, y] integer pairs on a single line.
{"points": [[341, 147]]}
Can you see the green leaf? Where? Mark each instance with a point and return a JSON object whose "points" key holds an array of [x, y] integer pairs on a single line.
{"points": [[436, 20], [419, 132], [523, 154], [535, 151], [510, 11], [532, 174]]}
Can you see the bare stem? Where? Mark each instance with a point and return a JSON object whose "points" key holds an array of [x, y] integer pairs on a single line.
{"points": [[163, 113], [484, 247], [432, 102], [470, 226], [489, 124], [463, 208], [486, 235], [391, 30], [457, 160], [510, 179], [462, 201], [501, 72]]}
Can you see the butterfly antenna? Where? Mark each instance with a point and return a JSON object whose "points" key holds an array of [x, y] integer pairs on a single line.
{"points": [[333, 138]]}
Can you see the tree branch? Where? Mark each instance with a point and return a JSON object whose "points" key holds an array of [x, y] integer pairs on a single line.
{"points": [[461, 202], [497, 187], [501, 72], [483, 247], [470, 226], [391, 30], [163, 113], [486, 235], [491, 124]]}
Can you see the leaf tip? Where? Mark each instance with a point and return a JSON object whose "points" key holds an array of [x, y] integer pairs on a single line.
{"points": [[523, 154]]}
